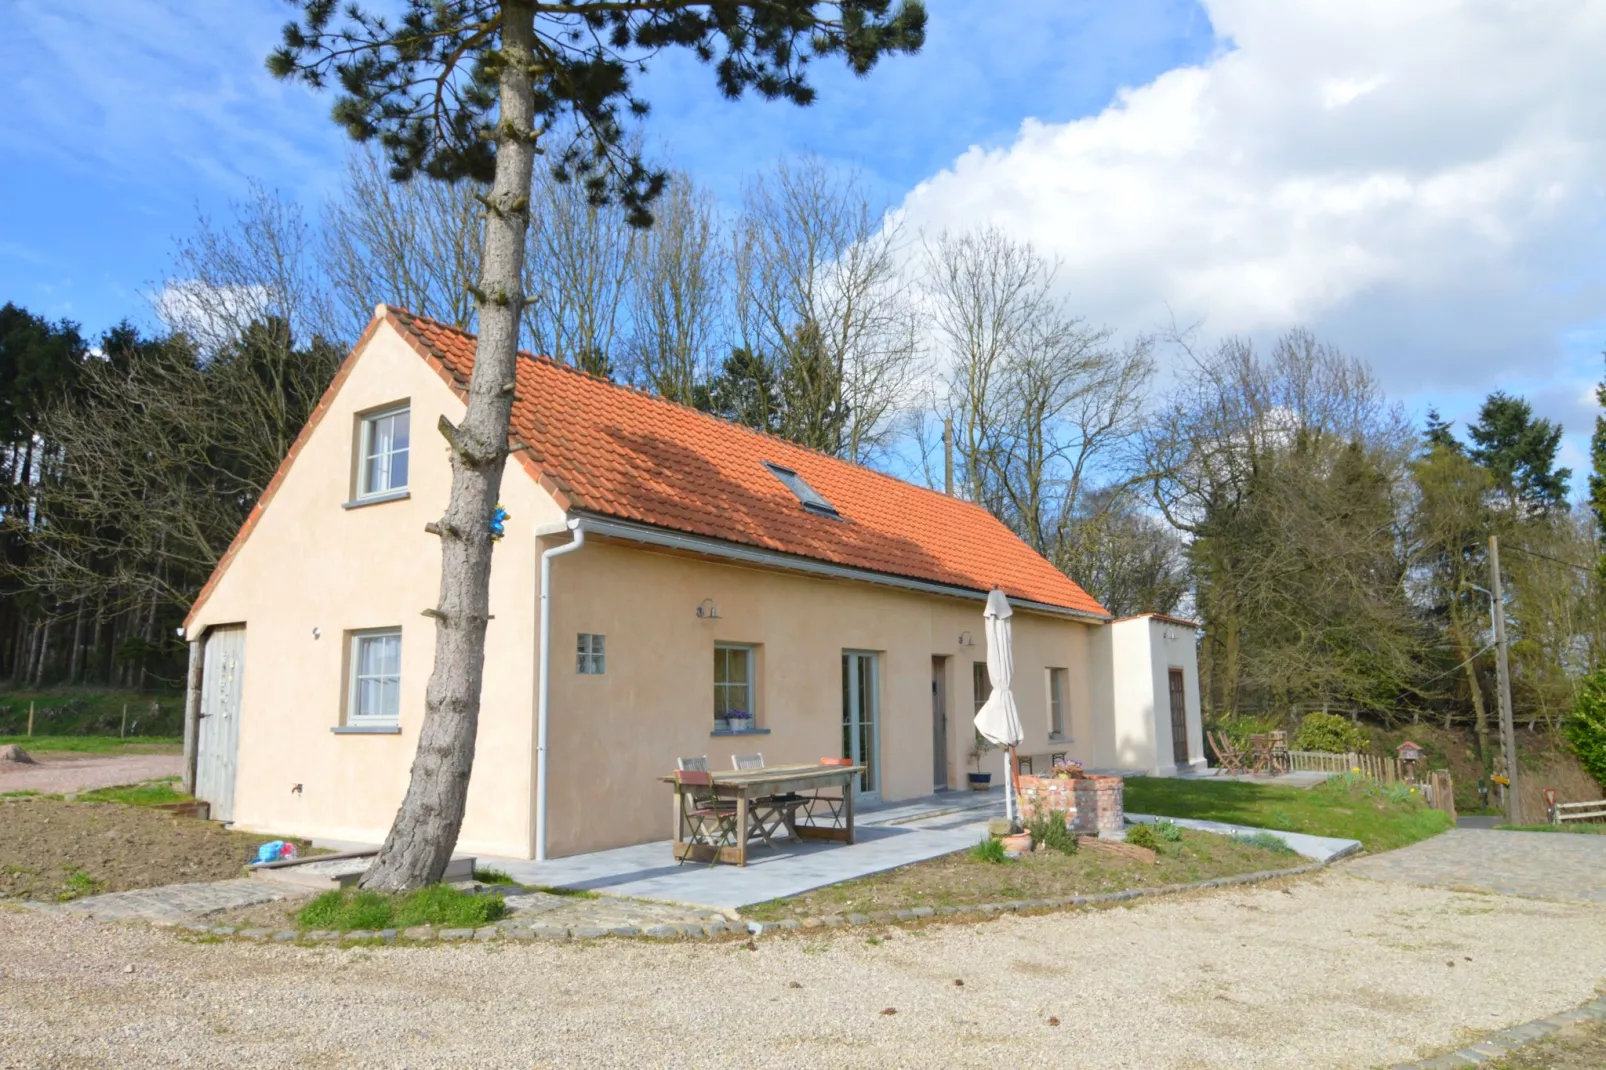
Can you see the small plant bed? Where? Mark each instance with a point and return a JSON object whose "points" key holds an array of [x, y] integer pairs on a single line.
{"points": [[53, 849], [983, 875], [95, 744], [1381, 817], [440, 905]]}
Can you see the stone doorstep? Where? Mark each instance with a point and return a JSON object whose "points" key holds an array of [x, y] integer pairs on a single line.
{"points": [[523, 928]]}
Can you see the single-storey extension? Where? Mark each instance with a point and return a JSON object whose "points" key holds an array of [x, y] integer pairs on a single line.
{"points": [[695, 588]]}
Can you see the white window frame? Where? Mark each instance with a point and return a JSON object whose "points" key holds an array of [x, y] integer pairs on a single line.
{"points": [[354, 711], [751, 655], [365, 445], [1058, 721], [591, 654], [978, 695]]}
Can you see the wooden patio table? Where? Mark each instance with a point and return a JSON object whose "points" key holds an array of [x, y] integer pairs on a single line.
{"points": [[747, 785]]}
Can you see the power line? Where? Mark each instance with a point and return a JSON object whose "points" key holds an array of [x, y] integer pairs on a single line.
{"points": [[1547, 557]]}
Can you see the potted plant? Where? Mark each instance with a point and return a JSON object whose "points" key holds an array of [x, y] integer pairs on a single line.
{"points": [[740, 720], [979, 781]]}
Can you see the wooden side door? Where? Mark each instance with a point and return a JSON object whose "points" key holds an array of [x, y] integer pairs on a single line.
{"points": [[217, 751], [1179, 719]]}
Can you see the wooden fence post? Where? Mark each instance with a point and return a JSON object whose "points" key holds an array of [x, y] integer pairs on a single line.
{"points": [[30, 720], [123, 733]]}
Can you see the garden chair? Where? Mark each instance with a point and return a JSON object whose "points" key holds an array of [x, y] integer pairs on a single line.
{"points": [[1229, 756], [824, 810], [710, 821], [767, 813], [698, 764]]}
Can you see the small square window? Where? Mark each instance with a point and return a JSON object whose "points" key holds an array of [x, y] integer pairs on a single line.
{"points": [[382, 456], [375, 677], [591, 655]]}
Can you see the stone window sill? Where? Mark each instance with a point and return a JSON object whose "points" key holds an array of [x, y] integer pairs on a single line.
{"points": [[378, 499], [366, 730], [749, 732]]}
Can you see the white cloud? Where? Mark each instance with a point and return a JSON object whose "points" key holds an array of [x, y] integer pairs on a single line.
{"points": [[1419, 182]]}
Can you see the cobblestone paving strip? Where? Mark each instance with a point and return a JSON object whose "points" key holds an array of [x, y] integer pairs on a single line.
{"points": [[1510, 1040], [171, 903]]}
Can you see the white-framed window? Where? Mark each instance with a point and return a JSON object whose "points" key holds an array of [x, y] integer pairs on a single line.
{"points": [[981, 685], [382, 453], [734, 670], [375, 677], [591, 655], [1056, 703]]}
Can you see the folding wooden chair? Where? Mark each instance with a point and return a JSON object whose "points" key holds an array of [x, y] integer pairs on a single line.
{"points": [[767, 813], [826, 811], [710, 820], [1229, 757]]}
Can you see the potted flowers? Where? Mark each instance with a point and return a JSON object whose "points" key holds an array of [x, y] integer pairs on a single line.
{"points": [[979, 781], [740, 720]]}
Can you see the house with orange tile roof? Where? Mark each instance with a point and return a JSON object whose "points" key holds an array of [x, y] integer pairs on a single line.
{"points": [[689, 587]]}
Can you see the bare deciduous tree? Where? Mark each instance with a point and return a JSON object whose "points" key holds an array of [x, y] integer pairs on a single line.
{"points": [[677, 294], [414, 244], [580, 258], [820, 296]]}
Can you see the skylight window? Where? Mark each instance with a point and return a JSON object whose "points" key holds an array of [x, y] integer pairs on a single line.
{"points": [[806, 494]]}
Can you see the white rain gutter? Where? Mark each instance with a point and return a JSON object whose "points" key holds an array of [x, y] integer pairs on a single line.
{"points": [[543, 702], [620, 529]]}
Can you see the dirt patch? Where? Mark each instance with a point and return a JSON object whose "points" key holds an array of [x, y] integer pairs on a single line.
{"points": [[961, 880], [63, 772], [52, 849], [16, 755]]}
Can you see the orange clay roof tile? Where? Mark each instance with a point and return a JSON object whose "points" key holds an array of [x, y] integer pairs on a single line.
{"points": [[617, 452]]}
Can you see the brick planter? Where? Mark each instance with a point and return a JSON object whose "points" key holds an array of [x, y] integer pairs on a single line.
{"points": [[1092, 803]]}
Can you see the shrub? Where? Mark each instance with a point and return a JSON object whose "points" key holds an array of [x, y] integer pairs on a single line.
{"points": [[1240, 727], [1265, 841], [989, 850], [1586, 728], [1328, 732], [1049, 830], [1168, 831], [1143, 836]]}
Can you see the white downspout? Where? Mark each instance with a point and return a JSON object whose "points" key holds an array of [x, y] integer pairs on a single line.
{"points": [[543, 702]]}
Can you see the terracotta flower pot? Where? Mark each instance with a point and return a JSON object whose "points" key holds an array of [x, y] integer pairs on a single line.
{"points": [[1019, 843]]}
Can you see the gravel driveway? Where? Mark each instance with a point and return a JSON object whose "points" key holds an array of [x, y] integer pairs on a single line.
{"points": [[1335, 971], [64, 772]]}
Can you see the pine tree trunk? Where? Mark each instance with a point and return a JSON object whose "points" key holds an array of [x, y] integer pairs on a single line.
{"points": [[425, 832], [98, 645], [1480, 718]]}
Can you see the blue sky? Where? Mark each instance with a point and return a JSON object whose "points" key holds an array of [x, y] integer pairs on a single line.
{"points": [[121, 127], [1424, 185]]}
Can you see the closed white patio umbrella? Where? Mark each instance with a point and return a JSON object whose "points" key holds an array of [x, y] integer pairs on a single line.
{"points": [[998, 721]]}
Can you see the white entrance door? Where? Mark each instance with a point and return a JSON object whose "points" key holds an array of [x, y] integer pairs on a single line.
{"points": [[861, 723], [218, 735]]}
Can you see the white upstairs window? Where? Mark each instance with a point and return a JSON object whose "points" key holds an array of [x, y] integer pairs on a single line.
{"points": [[383, 457]]}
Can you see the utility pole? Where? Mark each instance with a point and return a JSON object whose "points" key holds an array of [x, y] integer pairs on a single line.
{"points": [[1508, 731]]}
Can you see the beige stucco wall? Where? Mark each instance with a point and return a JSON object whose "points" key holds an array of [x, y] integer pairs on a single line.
{"points": [[613, 735], [1138, 654], [309, 564]]}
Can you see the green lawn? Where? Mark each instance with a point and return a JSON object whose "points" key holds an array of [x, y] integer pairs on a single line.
{"points": [[91, 711], [94, 744], [150, 793], [1344, 806], [1585, 827]]}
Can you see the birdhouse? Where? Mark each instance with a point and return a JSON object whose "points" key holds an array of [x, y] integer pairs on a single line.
{"points": [[1409, 754]]}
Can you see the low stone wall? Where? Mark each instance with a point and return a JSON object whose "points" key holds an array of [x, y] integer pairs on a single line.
{"points": [[1093, 803]]}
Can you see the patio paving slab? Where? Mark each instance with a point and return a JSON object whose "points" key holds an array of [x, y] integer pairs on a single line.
{"points": [[1320, 848], [910, 831], [1532, 865]]}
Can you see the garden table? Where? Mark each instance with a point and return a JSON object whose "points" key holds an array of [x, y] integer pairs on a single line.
{"points": [[746, 786], [1270, 752]]}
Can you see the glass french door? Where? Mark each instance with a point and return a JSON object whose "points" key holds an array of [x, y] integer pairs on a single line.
{"points": [[861, 722]]}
